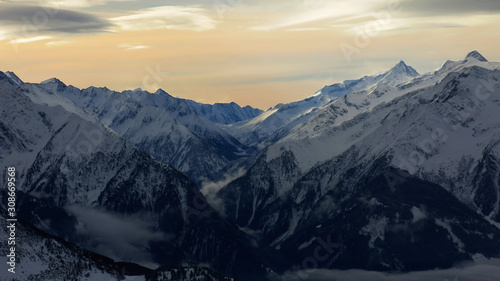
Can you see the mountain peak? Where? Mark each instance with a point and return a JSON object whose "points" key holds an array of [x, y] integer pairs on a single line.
{"points": [[53, 84], [402, 67], [475, 54], [401, 63], [11, 78], [14, 77], [53, 81], [161, 92]]}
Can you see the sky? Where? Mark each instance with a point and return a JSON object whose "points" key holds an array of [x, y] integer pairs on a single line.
{"points": [[252, 52]]}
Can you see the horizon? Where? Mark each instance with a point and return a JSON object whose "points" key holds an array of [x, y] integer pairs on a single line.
{"points": [[257, 53], [241, 105]]}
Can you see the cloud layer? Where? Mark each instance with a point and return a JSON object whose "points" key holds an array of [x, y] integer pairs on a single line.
{"points": [[450, 7], [122, 238], [31, 21], [167, 17], [65, 3], [481, 271]]}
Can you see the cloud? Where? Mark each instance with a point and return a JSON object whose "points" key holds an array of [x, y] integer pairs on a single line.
{"points": [[30, 39], [377, 26], [35, 21], [453, 7], [485, 270], [122, 238], [209, 190], [308, 13], [59, 43], [208, 187], [291, 77], [67, 3], [132, 47], [81, 3], [322, 14], [167, 17]]}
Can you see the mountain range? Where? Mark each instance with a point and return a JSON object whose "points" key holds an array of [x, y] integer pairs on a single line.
{"points": [[174, 131], [393, 172]]}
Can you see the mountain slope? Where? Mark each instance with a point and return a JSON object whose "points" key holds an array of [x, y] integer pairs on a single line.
{"points": [[283, 117], [441, 128], [74, 175], [166, 127], [390, 221]]}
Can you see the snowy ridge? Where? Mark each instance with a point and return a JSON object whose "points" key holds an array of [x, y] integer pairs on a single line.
{"points": [[283, 117], [315, 129], [13, 77], [224, 113], [166, 127]]}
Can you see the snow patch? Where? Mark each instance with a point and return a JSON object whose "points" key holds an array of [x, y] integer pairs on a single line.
{"points": [[418, 214], [375, 229]]}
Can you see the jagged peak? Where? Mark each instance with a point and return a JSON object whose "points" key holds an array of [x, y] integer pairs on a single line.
{"points": [[401, 63], [14, 77], [401, 66], [11, 78], [475, 54], [53, 81], [161, 92]]}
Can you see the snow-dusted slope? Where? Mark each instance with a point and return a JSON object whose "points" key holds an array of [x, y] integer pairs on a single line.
{"points": [[224, 113], [316, 134], [284, 116], [164, 126], [442, 128], [75, 175]]}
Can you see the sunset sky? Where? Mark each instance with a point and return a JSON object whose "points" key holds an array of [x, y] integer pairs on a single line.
{"points": [[253, 52]]}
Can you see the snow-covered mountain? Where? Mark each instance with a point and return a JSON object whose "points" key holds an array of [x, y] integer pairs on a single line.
{"points": [[224, 113], [271, 125], [381, 171], [76, 175], [311, 133], [168, 128], [391, 172], [476, 55]]}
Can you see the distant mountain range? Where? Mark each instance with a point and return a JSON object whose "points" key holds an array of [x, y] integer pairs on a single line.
{"points": [[175, 131], [81, 181], [269, 126], [394, 172]]}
